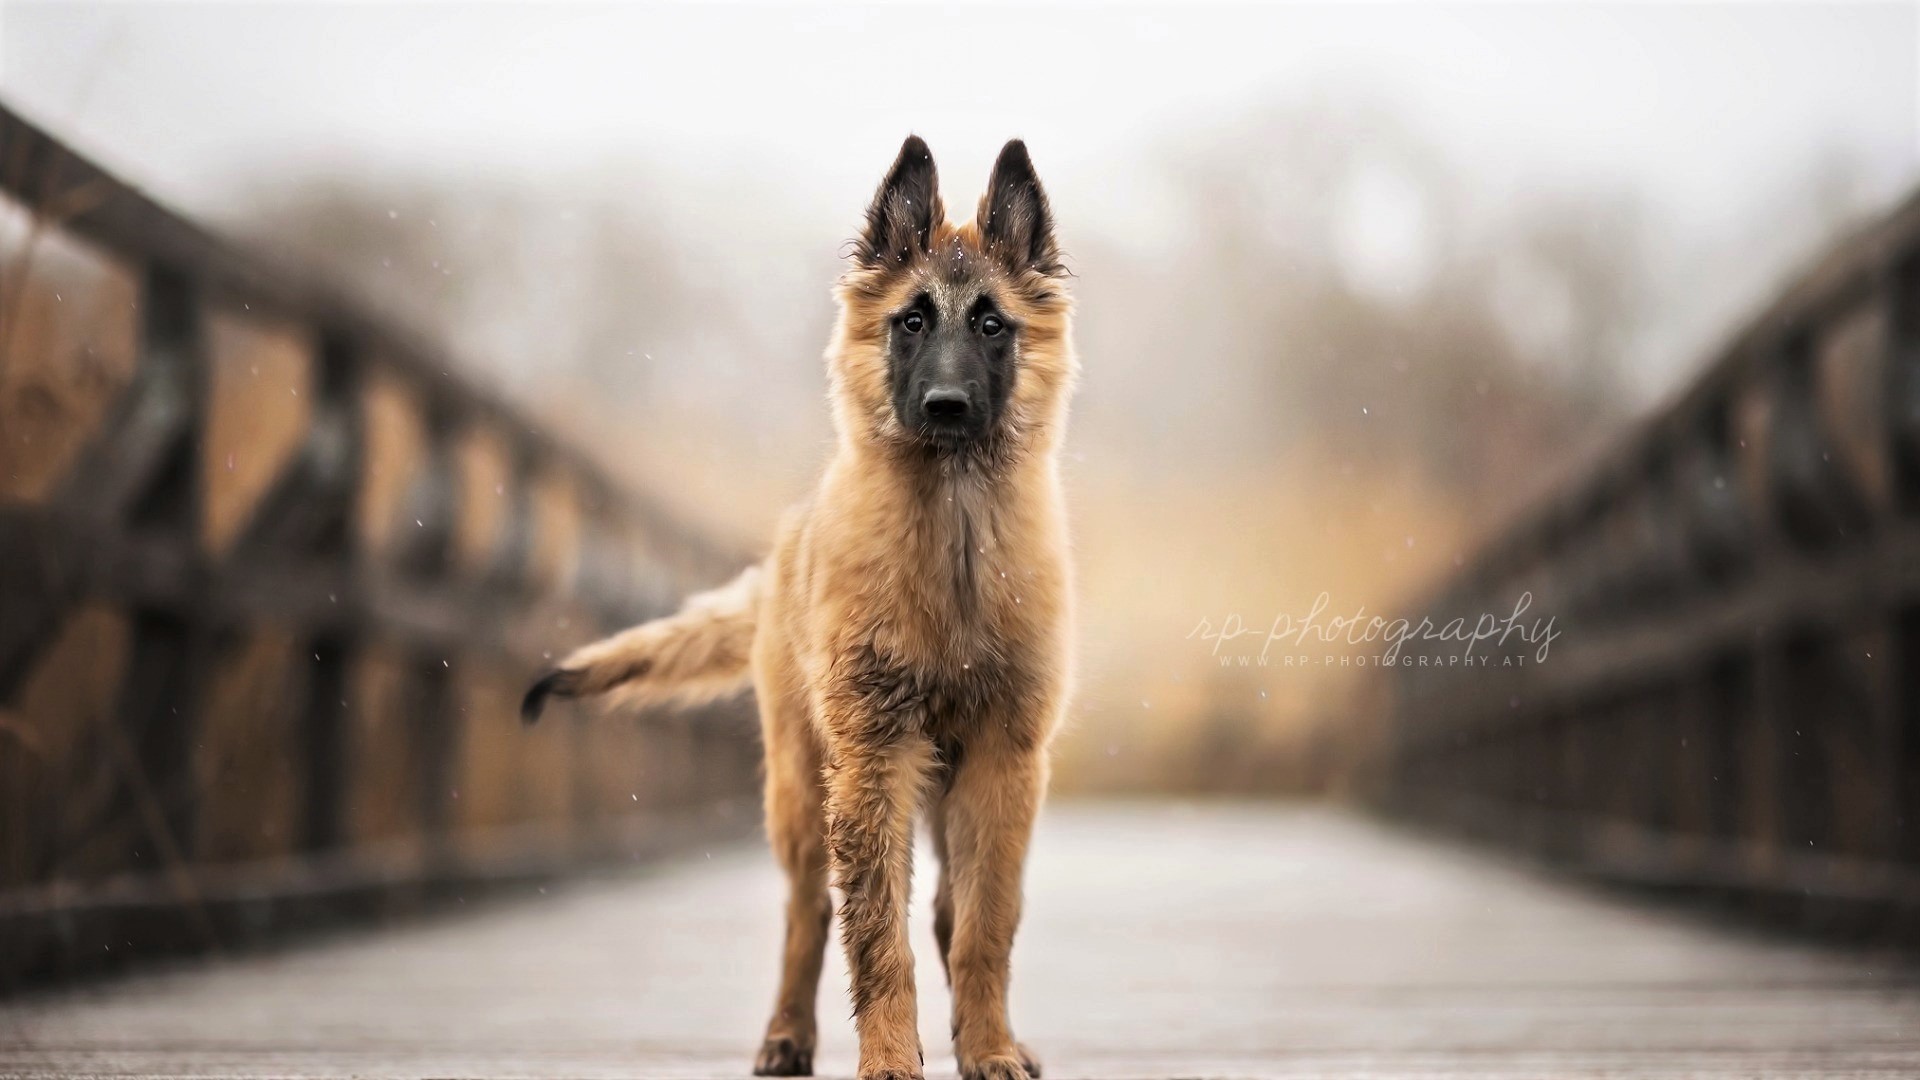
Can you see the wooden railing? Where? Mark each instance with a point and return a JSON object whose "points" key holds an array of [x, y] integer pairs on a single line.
{"points": [[1732, 704], [272, 574]]}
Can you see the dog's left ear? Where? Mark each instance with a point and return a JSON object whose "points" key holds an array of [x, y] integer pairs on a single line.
{"points": [[1015, 221]]}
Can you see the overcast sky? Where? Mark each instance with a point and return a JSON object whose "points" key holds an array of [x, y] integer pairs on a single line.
{"points": [[1687, 103]]}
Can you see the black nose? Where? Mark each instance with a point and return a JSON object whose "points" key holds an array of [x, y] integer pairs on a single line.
{"points": [[946, 403]]}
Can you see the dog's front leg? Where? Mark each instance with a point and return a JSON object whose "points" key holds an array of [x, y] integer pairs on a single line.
{"points": [[989, 813], [873, 788]]}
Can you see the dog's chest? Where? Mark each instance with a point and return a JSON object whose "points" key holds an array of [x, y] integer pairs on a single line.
{"points": [[965, 634], [948, 704], [978, 564]]}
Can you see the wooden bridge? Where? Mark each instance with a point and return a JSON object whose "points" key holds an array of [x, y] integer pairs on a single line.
{"points": [[271, 574], [1161, 940]]}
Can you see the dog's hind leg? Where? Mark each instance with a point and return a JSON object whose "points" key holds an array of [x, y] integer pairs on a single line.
{"points": [[943, 887], [989, 813], [796, 827]]}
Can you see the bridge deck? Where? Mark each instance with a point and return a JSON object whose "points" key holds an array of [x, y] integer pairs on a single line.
{"points": [[1161, 940]]}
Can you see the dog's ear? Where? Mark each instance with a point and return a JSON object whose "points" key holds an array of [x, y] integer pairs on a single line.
{"points": [[905, 209], [1015, 221]]}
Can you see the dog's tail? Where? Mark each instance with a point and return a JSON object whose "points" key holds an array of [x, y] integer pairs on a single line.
{"points": [[695, 655]]}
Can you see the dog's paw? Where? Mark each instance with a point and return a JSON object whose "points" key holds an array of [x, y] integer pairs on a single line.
{"points": [[914, 1070], [997, 1067], [783, 1056], [1029, 1059]]}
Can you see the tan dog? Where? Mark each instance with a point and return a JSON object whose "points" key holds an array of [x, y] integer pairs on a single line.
{"points": [[909, 635]]}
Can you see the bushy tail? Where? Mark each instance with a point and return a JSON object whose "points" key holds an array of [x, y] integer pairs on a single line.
{"points": [[697, 654]]}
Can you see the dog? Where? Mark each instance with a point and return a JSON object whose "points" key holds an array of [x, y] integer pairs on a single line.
{"points": [[908, 638]]}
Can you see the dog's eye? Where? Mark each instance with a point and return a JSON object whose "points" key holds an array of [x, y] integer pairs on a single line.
{"points": [[913, 322], [991, 325]]}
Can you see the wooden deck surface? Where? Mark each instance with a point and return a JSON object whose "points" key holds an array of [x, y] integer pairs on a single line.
{"points": [[1162, 940]]}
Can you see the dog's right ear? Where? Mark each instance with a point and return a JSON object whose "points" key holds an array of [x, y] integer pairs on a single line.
{"points": [[901, 219]]}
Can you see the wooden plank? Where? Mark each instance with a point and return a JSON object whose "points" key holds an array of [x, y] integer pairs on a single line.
{"points": [[54, 790], [396, 436], [308, 512], [69, 336], [260, 393], [248, 753], [484, 466], [509, 773], [383, 751]]}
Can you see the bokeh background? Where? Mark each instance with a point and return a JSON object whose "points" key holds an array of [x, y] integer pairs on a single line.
{"points": [[1355, 283]]}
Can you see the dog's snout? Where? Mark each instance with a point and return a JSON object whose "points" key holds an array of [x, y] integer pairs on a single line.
{"points": [[947, 403]]}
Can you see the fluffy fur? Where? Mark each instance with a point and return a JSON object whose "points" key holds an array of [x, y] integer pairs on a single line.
{"points": [[908, 637]]}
